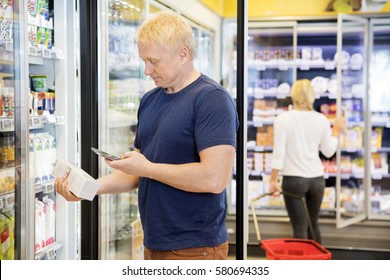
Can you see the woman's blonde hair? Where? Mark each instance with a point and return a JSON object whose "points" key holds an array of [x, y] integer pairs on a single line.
{"points": [[168, 29], [302, 94]]}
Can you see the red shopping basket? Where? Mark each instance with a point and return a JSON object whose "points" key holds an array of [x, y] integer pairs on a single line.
{"points": [[290, 248], [294, 249]]}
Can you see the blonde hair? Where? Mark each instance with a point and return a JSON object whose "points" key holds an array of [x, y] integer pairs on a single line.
{"points": [[302, 94], [168, 29]]}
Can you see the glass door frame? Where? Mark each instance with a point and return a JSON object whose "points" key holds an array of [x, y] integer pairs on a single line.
{"points": [[382, 24], [24, 195], [344, 21]]}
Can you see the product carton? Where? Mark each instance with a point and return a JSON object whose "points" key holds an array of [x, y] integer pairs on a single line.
{"points": [[80, 182], [40, 224]]}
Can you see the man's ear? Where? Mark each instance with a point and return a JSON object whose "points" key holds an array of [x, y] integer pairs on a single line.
{"points": [[183, 53]]}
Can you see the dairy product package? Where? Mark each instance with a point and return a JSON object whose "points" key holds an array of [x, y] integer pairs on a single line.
{"points": [[40, 224], [52, 153], [50, 227], [38, 159], [46, 165], [31, 155], [80, 182]]}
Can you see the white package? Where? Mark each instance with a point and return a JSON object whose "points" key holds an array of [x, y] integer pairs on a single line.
{"points": [[50, 227], [38, 159], [80, 182], [45, 163], [40, 231]]}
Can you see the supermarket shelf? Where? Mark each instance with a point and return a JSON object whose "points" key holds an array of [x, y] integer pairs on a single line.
{"points": [[48, 252], [36, 122]]}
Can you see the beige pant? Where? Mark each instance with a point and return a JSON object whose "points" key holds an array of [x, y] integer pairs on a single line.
{"points": [[219, 252]]}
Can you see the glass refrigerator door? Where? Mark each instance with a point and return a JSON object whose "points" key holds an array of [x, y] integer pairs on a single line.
{"points": [[353, 171], [271, 72], [317, 46], [53, 115], [13, 221], [36, 54], [121, 85], [379, 107], [204, 51]]}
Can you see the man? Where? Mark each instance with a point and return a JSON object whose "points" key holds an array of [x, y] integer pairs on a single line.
{"points": [[184, 149]]}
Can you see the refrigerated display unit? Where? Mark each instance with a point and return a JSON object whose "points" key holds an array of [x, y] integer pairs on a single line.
{"points": [[335, 54], [38, 125], [379, 120]]}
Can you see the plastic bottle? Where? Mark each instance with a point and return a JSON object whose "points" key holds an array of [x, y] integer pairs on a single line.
{"points": [[9, 143], [3, 153]]}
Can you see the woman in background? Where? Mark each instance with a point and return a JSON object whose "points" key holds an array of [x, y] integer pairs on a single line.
{"points": [[300, 134]]}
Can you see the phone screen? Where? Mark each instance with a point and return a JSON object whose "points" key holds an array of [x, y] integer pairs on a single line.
{"points": [[105, 154]]}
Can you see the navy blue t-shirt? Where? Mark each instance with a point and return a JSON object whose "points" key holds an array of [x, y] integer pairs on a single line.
{"points": [[173, 129]]}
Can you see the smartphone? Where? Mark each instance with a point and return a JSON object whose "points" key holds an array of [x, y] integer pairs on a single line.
{"points": [[104, 154]]}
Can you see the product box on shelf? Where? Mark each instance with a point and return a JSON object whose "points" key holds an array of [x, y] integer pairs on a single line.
{"points": [[80, 182]]}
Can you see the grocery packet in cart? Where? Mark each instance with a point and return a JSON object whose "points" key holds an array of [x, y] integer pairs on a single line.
{"points": [[80, 182]]}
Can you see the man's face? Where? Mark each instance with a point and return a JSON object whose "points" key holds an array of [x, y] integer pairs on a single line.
{"points": [[161, 65]]}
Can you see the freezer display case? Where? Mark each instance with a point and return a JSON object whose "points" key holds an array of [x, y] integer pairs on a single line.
{"points": [[10, 160], [334, 55], [38, 125], [204, 39], [379, 108]]}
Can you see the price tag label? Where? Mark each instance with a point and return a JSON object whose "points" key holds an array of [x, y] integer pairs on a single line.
{"points": [[60, 120], [283, 67], [32, 51], [260, 65], [49, 188], [50, 118], [51, 254], [257, 124], [305, 65], [8, 124], [259, 94], [345, 176], [35, 122], [259, 148], [58, 54], [9, 46], [377, 176], [359, 175], [46, 53], [9, 200], [329, 65]]}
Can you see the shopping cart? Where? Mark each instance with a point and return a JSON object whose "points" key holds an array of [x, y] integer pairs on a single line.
{"points": [[290, 248]]}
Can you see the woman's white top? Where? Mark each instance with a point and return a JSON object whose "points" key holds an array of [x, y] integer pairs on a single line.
{"points": [[298, 138]]}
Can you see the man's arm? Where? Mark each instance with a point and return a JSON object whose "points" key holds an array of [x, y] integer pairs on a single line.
{"points": [[113, 183], [210, 175], [117, 182]]}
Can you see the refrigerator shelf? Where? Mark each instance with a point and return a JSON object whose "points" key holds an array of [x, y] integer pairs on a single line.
{"points": [[48, 252]]}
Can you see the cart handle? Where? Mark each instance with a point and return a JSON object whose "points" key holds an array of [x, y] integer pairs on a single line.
{"points": [[301, 198]]}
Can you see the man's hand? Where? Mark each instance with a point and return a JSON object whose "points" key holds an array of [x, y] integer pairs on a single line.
{"points": [[62, 187]]}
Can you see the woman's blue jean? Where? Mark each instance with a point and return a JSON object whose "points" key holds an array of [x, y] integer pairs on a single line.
{"points": [[312, 189]]}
